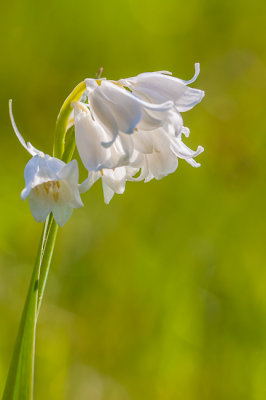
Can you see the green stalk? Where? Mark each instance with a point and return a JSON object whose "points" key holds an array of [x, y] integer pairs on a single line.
{"points": [[19, 385], [47, 258]]}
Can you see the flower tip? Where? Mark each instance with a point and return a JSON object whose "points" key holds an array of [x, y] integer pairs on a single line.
{"points": [[197, 68], [186, 131], [24, 194], [10, 109], [197, 71], [200, 149]]}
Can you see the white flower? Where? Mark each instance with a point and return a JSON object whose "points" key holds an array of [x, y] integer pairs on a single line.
{"points": [[119, 111], [159, 87], [113, 180], [148, 108], [161, 147], [162, 159], [50, 184]]}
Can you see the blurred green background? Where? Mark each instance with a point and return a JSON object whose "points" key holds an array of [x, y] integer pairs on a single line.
{"points": [[162, 294]]}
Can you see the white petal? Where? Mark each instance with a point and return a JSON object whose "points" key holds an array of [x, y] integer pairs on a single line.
{"points": [[127, 144], [174, 125], [124, 107], [161, 164], [39, 206], [30, 171], [70, 172], [136, 159], [89, 136], [149, 122], [47, 170], [39, 170], [62, 213], [144, 171], [116, 179], [189, 99], [149, 94], [143, 142], [68, 194], [159, 87], [131, 171], [193, 162], [197, 71], [186, 131], [103, 115], [87, 184], [76, 202], [183, 151], [108, 193], [27, 146]]}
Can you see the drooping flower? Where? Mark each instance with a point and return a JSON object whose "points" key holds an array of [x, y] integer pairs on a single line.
{"points": [[118, 110], [113, 180], [149, 107], [50, 184], [162, 160], [159, 87]]}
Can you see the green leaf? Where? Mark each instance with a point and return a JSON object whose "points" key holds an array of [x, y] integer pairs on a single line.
{"points": [[19, 385]]}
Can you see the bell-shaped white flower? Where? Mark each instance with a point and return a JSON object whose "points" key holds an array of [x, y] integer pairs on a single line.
{"points": [[162, 157], [118, 110], [159, 87], [113, 180], [50, 184], [150, 109]]}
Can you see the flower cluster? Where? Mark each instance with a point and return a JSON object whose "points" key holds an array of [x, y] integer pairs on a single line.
{"points": [[126, 130]]}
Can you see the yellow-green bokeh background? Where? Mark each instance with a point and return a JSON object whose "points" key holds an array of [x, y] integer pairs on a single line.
{"points": [[162, 294]]}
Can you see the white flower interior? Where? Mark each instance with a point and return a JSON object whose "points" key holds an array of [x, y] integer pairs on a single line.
{"points": [[53, 191]]}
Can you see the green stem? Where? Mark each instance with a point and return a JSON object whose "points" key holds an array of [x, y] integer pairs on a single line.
{"points": [[47, 258], [19, 385]]}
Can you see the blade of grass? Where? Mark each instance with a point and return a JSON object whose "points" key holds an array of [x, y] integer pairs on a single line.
{"points": [[19, 385]]}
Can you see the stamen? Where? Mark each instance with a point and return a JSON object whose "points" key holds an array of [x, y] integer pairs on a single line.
{"points": [[56, 196], [46, 187]]}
